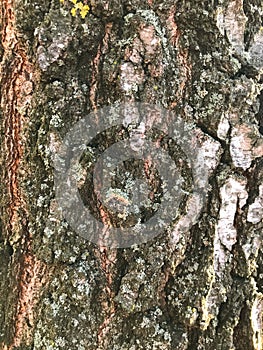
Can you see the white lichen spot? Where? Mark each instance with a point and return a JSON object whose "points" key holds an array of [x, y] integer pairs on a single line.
{"points": [[233, 197], [62, 298], [48, 232], [223, 127], [194, 204], [255, 211], [220, 20], [252, 248], [46, 56], [137, 137], [201, 92], [54, 144], [204, 157], [146, 323], [60, 342], [75, 322], [191, 315], [232, 192], [131, 77], [256, 49], [40, 201], [245, 145], [56, 120], [72, 259]]}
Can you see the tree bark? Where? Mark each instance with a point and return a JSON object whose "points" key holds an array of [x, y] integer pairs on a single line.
{"points": [[195, 285]]}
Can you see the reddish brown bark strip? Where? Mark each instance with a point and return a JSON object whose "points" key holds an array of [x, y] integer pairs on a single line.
{"points": [[17, 77]]}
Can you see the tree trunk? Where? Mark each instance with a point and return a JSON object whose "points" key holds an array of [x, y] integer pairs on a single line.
{"points": [[193, 72]]}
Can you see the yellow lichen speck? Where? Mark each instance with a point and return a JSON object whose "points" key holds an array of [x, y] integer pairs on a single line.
{"points": [[79, 8], [73, 11], [83, 9]]}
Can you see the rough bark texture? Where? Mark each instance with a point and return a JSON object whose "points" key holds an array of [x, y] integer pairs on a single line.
{"points": [[201, 59]]}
